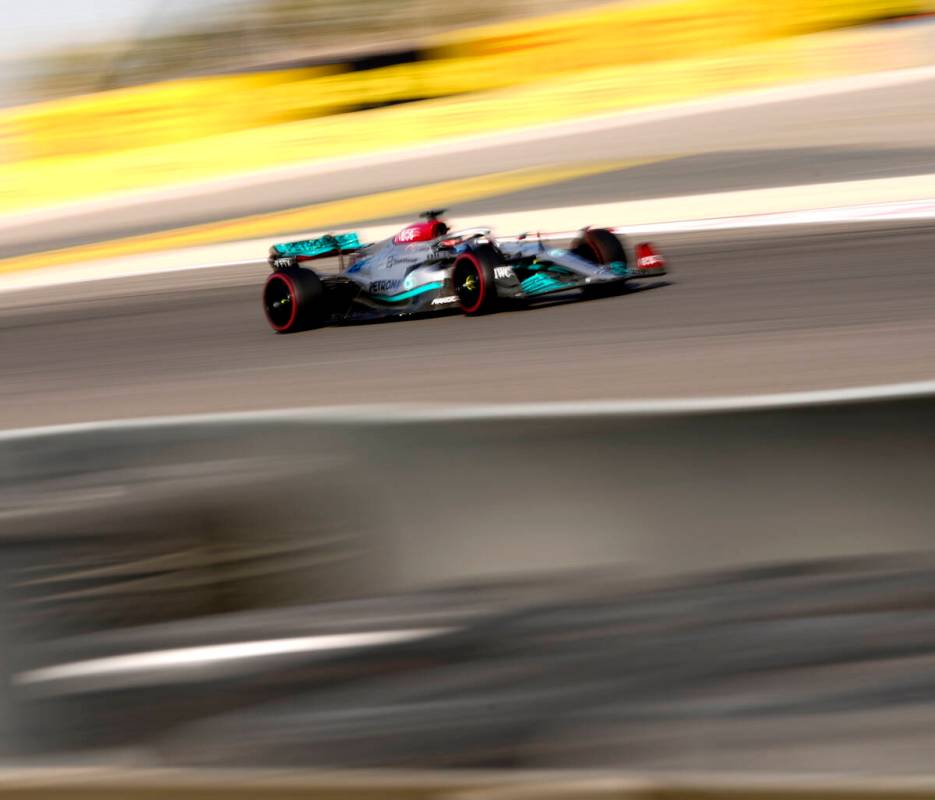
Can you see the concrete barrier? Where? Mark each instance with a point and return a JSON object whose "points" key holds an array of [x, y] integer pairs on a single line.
{"points": [[121, 524], [404, 498]]}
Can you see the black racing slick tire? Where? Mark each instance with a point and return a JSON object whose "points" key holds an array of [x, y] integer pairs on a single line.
{"points": [[599, 246], [294, 300], [474, 280]]}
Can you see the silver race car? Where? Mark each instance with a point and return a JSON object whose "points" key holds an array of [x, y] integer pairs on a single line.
{"points": [[427, 268]]}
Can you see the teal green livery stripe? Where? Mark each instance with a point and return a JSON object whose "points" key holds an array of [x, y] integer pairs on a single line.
{"points": [[398, 298], [540, 284]]}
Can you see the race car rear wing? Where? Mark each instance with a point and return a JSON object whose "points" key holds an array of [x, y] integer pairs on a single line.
{"points": [[320, 247]]}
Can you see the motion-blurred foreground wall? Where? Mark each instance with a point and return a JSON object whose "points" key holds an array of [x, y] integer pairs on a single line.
{"points": [[107, 528], [126, 524]]}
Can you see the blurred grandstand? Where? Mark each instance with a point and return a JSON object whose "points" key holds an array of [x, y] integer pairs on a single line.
{"points": [[172, 40]]}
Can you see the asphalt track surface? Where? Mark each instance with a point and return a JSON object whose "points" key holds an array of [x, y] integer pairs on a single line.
{"points": [[786, 309], [776, 310]]}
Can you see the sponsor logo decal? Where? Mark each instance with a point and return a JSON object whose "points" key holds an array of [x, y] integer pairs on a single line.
{"points": [[408, 234], [382, 287], [648, 262], [396, 258], [444, 301], [503, 272]]}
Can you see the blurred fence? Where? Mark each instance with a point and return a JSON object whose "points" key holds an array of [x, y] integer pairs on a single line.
{"points": [[468, 61]]}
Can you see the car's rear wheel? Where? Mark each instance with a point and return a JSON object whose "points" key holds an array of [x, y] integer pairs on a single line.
{"points": [[600, 246], [474, 280], [294, 300]]}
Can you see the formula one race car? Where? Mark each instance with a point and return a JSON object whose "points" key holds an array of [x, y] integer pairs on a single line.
{"points": [[426, 269]]}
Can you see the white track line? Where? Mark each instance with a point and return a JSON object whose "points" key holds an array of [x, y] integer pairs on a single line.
{"points": [[870, 212], [208, 655]]}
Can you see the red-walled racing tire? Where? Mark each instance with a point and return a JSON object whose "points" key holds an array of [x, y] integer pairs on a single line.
{"points": [[474, 281], [294, 300], [600, 246]]}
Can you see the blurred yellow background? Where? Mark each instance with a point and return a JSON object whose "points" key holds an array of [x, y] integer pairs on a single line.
{"points": [[469, 80]]}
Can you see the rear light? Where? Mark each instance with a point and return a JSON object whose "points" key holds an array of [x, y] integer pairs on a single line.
{"points": [[648, 258]]}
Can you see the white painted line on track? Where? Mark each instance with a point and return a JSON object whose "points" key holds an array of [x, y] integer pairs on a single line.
{"points": [[208, 655], [910, 210], [406, 413], [464, 145], [871, 212]]}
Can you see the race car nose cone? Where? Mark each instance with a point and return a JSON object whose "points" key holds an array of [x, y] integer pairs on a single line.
{"points": [[648, 258]]}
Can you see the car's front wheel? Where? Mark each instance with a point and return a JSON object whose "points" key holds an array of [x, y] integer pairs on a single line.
{"points": [[294, 300], [474, 280]]}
